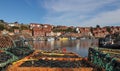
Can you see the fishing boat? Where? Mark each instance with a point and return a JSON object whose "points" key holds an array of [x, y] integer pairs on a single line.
{"points": [[50, 39], [112, 46], [63, 38], [110, 41]]}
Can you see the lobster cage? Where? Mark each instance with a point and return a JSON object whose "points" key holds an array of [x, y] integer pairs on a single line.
{"points": [[9, 51], [51, 65], [6, 42], [51, 61], [55, 56], [6, 58], [20, 52], [105, 58]]}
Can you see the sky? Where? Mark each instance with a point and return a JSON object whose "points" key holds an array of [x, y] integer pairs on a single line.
{"points": [[84, 13]]}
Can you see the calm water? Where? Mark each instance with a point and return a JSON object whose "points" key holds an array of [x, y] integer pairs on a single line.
{"points": [[78, 46]]}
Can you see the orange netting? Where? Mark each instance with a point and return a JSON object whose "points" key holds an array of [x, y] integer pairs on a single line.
{"points": [[5, 42]]}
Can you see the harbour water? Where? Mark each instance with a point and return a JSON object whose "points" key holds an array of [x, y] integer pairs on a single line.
{"points": [[79, 46]]}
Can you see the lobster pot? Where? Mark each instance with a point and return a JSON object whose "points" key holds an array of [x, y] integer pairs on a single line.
{"points": [[6, 42], [52, 61], [6, 58], [50, 69], [105, 58], [50, 65], [20, 52]]}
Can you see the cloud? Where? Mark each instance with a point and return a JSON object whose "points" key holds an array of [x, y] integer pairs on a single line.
{"points": [[68, 19], [107, 18], [75, 5], [80, 12]]}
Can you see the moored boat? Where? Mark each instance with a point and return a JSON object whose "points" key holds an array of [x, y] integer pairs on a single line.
{"points": [[63, 38], [112, 46], [50, 39]]}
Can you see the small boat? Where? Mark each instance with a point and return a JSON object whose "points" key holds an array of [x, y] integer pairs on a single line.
{"points": [[63, 38], [112, 46], [50, 39], [72, 38]]}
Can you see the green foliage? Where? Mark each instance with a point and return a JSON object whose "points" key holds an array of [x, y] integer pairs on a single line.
{"points": [[108, 29], [67, 30], [97, 26], [14, 27], [58, 30], [2, 21], [2, 27], [91, 29], [74, 31], [11, 29], [16, 22], [24, 27]]}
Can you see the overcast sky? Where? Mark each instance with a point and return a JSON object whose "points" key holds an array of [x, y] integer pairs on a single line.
{"points": [[84, 13]]}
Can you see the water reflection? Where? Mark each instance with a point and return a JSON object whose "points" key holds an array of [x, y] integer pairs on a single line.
{"points": [[78, 46]]}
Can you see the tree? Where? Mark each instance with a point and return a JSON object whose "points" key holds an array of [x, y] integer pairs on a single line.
{"points": [[108, 29], [2, 21], [2, 27], [69, 30], [15, 22], [74, 30], [91, 29], [97, 26], [14, 27], [24, 27]]}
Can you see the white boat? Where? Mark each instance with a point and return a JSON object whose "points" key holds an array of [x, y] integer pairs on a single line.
{"points": [[50, 39]]}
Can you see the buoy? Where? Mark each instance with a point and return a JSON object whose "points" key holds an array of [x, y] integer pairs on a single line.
{"points": [[64, 49], [85, 58], [1, 51]]}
